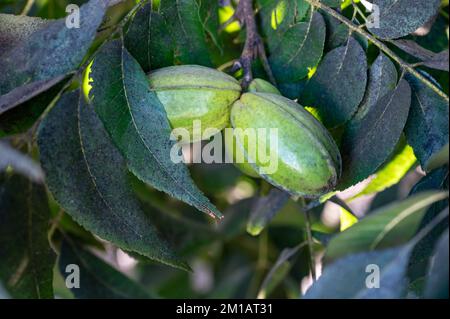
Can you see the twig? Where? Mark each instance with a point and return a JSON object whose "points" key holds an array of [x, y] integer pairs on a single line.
{"points": [[253, 47], [383, 47], [309, 239], [27, 7]]}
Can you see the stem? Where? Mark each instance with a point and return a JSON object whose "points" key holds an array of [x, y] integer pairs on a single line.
{"points": [[27, 7], [312, 263], [253, 46], [383, 47], [309, 240]]}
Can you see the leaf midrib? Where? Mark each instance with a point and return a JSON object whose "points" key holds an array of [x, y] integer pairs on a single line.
{"points": [[92, 177], [163, 167]]}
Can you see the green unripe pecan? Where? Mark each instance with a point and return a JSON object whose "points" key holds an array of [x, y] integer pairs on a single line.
{"points": [[309, 162], [257, 85], [260, 85], [192, 92]]}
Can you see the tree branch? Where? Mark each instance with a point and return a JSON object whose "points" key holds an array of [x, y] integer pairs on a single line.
{"points": [[383, 47], [253, 47]]}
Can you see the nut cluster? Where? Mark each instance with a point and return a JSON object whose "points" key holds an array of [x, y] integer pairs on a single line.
{"points": [[309, 160]]}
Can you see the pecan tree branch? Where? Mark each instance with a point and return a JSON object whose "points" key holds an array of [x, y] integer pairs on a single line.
{"points": [[253, 47]]}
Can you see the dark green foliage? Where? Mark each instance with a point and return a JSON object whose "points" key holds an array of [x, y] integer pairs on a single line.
{"points": [[108, 200], [22, 117], [388, 226], [15, 29], [88, 177], [264, 209], [31, 67], [371, 138], [402, 17], [20, 163], [26, 257], [299, 50], [98, 280], [427, 127], [186, 28], [346, 278], [437, 282], [339, 84], [420, 256], [147, 40]]}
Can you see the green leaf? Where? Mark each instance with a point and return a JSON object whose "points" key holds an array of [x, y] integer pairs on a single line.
{"points": [[392, 172], [138, 125], [439, 159], [401, 17], [264, 210], [436, 180], [392, 225], [414, 49], [383, 78], [277, 16], [370, 140], [299, 50], [33, 66], [339, 37], [209, 15], [20, 163], [278, 272], [16, 29], [440, 61], [347, 219], [338, 86], [148, 40], [346, 278], [437, 280], [187, 29], [88, 178], [22, 117], [26, 267], [427, 127], [98, 280]]}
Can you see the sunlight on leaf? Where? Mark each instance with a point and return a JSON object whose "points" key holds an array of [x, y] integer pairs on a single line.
{"points": [[225, 13], [311, 71], [278, 14], [347, 219], [87, 81], [314, 112], [391, 173]]}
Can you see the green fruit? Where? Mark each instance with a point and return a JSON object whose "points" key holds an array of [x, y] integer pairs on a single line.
{"points": [[259, 85], [233, 152], [192, 92], [309, 163]]}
